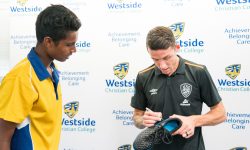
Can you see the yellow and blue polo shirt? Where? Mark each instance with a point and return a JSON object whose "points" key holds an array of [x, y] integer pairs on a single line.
{"points": [[30, 97]]}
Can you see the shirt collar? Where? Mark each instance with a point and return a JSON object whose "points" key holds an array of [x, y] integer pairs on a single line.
{"points": [[181, 67], [157, 71], [38, 66]]}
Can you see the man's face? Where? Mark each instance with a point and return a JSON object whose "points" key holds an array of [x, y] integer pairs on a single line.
{"points": [[165, 59], [64, 48]]}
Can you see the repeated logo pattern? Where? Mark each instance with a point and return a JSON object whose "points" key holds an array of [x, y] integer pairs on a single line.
{"points": [[71, 109], [233, 71], [177, 29], [121, 70], [22, 2]]}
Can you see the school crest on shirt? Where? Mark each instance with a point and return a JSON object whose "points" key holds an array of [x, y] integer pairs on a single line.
{"points": [[71, 109], [121, 70], [233, 71], [177, 29], [186, 89]]}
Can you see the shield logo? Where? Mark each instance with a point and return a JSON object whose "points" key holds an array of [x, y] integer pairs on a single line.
{"points": [[22, 2], [233, 71], [71, 109], [177, 29], [186, 89], [125, 147], [121, 70]]}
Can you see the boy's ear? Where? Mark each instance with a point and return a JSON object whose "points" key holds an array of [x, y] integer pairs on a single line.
{"points": [[48, 42]]}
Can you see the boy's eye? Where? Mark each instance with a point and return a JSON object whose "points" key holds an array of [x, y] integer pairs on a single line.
{"points": [[70, 44]]}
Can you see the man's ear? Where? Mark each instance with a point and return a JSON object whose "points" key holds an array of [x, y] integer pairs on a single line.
{"points": [[177, 47], [48, 42], [148, 49]]}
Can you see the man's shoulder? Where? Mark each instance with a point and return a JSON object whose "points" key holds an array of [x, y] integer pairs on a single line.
{"points": [[147, 70], [194, 66]]}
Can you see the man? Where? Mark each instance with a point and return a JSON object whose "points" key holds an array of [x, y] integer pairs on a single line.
{"points": [[176, 88], [30, 94]]}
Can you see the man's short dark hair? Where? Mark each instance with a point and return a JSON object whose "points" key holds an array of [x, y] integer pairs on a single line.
{"points": [[160, 37], [55, 22]]}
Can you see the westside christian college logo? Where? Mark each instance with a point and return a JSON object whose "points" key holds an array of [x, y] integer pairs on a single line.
{"points": [[125, 147], [20, 7], [177, 29], [234, 83], [121, 70], [71, 109], [74, 124], [186, 46], [233, 71], [22, 2], [121, 85]]}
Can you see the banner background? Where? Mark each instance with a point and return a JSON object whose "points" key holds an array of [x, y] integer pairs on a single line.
{"points": [[113, 32]]}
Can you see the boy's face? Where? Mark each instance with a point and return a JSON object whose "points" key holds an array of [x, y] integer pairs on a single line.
{"points": [[64, 48], [165, 59]]}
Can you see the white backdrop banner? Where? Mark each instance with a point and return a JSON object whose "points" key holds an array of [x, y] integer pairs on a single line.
{"points": [[98, 80]]}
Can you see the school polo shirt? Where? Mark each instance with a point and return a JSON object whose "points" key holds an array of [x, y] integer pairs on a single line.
{"points": [[30, 97], [182, 93]]}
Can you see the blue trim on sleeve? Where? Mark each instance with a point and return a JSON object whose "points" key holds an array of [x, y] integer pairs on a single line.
{"points": [[21, 139]]}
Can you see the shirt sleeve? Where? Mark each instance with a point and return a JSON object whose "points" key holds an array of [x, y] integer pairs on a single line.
{"points": [[17, 96], [209, 92], [139, 100]]}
